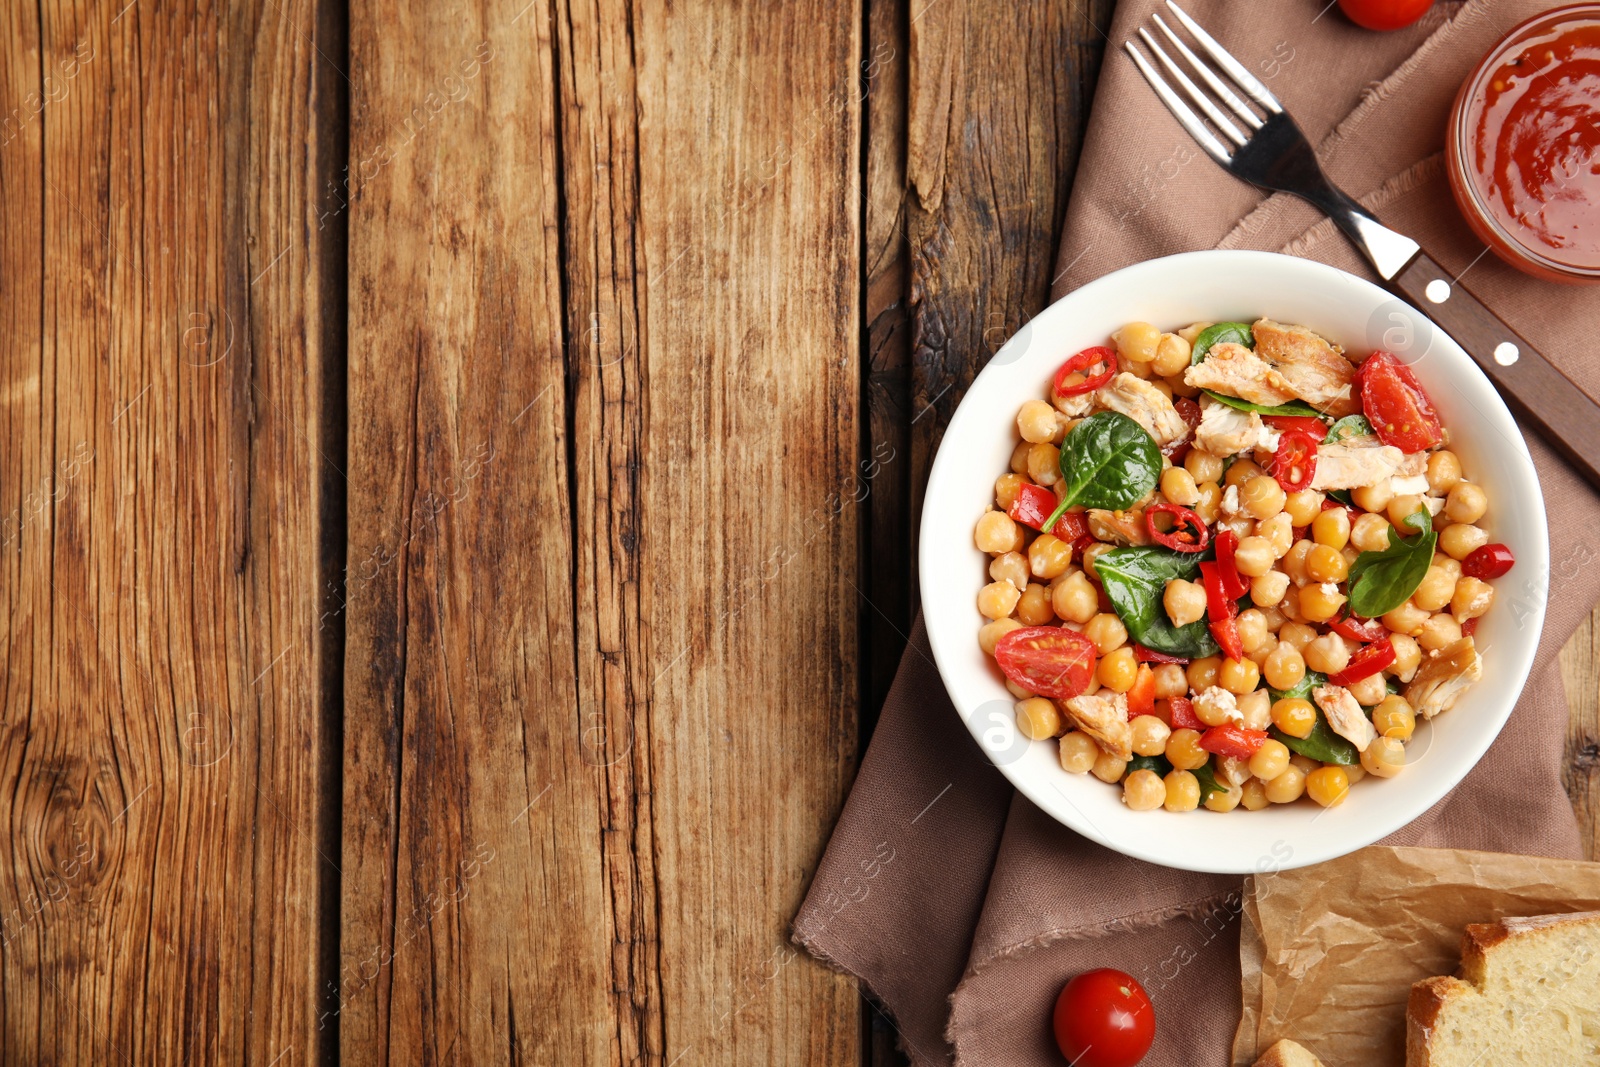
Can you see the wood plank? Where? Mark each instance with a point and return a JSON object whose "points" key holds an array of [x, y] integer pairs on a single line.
{"points": [[162, 446], [1580, 671]]}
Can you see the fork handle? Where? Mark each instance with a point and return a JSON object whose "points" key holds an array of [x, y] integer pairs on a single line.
{"points": [[1532, 386]]}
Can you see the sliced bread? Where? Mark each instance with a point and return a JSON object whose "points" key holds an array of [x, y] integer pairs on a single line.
{"points": [[1528, 996], [1286, 1053]]}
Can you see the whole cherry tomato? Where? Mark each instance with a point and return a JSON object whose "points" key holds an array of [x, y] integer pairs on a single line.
{"points": [[1104, 1019], [1384, 14]]}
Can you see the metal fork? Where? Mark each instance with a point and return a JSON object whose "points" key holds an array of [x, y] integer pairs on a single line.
{"points": [[1272, 153]]}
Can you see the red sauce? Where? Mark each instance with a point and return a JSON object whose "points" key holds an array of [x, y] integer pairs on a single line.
{"points": [[1532, 120]]}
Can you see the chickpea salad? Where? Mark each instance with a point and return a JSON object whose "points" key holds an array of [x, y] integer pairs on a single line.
{"points": [[1233, 565]]}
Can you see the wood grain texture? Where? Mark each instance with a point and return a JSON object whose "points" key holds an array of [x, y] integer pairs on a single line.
{"points": [[161, 442], [1580, 671]]}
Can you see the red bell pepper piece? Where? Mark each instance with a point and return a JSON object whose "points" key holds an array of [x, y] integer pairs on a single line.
{"points": [[1309, 425], [1362, 631], [1231, 740], [1150, 655], [1142, 697], [1234, 584], [1365, 663], [1222, 611], [1180, 714]]}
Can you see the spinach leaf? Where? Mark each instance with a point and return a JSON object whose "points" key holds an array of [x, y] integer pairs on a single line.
{"points": [[1158, 764], [1109, 461], [1348, 427], [1322, 744], [1239, 333], [1135, 579], [1342, 496], [1208, 781], [1301, 691], [1382, 581]]}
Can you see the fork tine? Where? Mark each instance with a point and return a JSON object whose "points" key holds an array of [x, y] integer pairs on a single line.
{"points": [[1180, 111], [1239, 107], [1232, 67], [1213, 112]]}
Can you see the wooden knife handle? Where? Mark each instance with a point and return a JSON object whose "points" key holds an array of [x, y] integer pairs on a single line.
{"points": [[1533, 388]]}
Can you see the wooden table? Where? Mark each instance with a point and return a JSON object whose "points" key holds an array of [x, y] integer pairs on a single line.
{"points": [[461, 465]]}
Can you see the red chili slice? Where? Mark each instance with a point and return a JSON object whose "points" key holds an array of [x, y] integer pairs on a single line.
{"points": [[1235, 741], [1365, 663], [1313, 427], [1395, 403], [1362, 631], [1490, 561], [1049, 660], [1188, 533], [1226, 633], [1080, 364], [1033, 506], [1150, 655], [1234, 584], [1180, 714], [1295, 461], [1142, 697]]}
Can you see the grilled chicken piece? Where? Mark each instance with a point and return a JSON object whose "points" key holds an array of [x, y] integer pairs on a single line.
{"points": [[1345, 715], [1225, 431], [1074, 407], [1146, 405], [1354, 463], [1217, 702], [1443, 677], [1315, 370], [1237, 371], [1231, 770], [1120, 527], [1104, 718]]}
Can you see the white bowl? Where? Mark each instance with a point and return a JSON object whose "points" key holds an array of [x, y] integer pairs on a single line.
{"points": [[1173, 292]]}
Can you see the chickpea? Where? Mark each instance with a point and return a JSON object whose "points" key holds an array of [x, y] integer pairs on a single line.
{"points": [[1285, 668], [1260, 655], [1370, 533], [1402, 508], [1185, 602], [1460, 540], [1010, 567], [1184, 751], [1183, 791], [1373, 498], [1255, 710], [1304, 506], [1294, 561], [1407, 657], [1038, 718], [1294, 716], [1108, 768], [1203, 466], [997, 533], [1327, 654], [1262, 496], [1074, 598], [1178, 486], [1172, 355], [1270, 760], [1252, 629], [1384, 757], [1394, 717], [1440, 631], [1406, 619], [1078, 752], [1305, 764], [1466, 503], [1017, 691], [1438, 585], [1240, 472], [1119, 670], [1328, 786], [1287, 787], [1049, 556], [1044, 463], [1202, 673], [1331, 528], [1209, 506], [1319, 603], [1254, 556], [1323, 564], [1170, 680], [1253, 795], [1107, 633], [1279, 532], [1150, 735], [990, 633], [1369, 690], [1036, 421], [1241, 524], [1297, 634], [1238, 676], [1473, 597], [1006, 488], [998, 599], [1355, 772], [1267, 590], [1019, 457], [1275, 618], [1137, 342], [1444, 471], [1193, 330], [1143, 790], [1033, 607], [1225, 801], [1092, 553]]}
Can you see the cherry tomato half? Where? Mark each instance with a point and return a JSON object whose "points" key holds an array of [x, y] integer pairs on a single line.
{"points": [[1188, 533], [1103, 1018], [1080, 365], [1049, 660], [1295, 462], [1033, 507], [1397, 406], [1384, 14], [1490, 561], [1369, 660]]}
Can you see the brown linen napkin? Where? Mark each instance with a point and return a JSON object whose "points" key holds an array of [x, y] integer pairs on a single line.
{"points": [[964, 908]]}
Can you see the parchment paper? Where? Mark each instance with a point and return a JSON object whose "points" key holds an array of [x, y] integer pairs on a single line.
{"points": [[1329, 952]]}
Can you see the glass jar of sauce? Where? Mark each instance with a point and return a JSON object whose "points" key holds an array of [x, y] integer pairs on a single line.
{"points": [[1523, 147]]}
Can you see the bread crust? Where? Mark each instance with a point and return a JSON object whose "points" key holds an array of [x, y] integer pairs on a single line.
{"points": [[1286, 1053], [1423, 1007]]}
